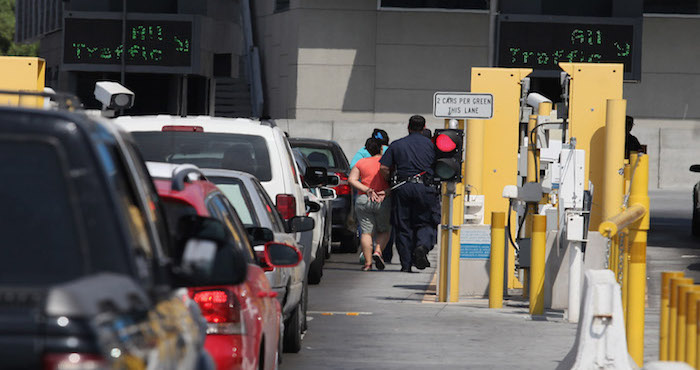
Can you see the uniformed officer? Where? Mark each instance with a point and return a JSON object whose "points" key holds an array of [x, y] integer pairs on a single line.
{"points": [[412, 159]]}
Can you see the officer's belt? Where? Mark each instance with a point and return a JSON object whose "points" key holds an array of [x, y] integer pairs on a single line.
{"points": [[412, 179]]}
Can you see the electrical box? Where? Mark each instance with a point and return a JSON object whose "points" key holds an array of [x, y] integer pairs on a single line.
{"points": [[22, 74], [572, 177], [574, 227], [474, 210]]}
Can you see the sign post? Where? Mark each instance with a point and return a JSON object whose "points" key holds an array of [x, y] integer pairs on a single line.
{"points": [[455, 107]]}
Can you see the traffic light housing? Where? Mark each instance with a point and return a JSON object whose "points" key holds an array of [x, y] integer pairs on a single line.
{"points": [[449, 145]]}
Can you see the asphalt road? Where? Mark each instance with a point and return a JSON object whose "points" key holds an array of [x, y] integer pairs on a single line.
{"points": [[379, 320]]}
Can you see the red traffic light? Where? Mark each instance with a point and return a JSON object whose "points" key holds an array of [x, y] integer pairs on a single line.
{"points": [[447, 141]]}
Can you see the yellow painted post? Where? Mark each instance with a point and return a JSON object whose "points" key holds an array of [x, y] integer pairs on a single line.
{"points": [[665, 314], [531, 176], [537, 262], [625, 271], [673, 315], [638, 258], [691, 328], [496, 263], [499, 167], [683, 291], [697, 335], [613, 182]]}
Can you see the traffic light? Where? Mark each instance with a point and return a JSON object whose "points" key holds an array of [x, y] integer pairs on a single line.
{"points": [[448, 154]]}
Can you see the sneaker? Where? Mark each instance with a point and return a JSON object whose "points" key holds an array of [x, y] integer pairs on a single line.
{"points": [[362, 258], [420, 257], [378, 261]]}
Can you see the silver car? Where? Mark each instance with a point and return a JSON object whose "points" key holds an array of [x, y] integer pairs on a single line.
{"points": [[256, 209]]}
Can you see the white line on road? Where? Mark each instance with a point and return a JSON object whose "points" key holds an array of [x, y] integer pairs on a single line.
{"points": [[331, 313]]}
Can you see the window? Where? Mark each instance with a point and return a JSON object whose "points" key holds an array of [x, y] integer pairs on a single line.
{"points": [[246, 153], [672, 6], [270, 209], [38, 221], [237, 195], [281, 5], [436, 4], [318, 157], [224, 212]]}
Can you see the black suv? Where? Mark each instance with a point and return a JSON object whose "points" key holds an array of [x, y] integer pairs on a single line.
{"points": [[328, 154], [88, 275]]}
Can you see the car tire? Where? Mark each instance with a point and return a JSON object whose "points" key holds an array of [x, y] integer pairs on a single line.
{"points": [[349, 243], [293, 330], [316, 268], [695, 227]]}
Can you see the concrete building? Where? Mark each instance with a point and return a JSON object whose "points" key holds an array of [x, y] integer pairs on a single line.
{"points": [[335, 69]]}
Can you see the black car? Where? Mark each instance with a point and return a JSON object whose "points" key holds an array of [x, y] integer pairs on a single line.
{"points": [[328, 154], [89, 277]]}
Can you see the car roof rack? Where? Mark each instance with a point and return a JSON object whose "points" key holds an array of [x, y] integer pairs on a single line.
{"points": [[181, 173], [65, 101]]}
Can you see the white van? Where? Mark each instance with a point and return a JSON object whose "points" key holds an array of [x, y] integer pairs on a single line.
{"points": [[227, 143]]}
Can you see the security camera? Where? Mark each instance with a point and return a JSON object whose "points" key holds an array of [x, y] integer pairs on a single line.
{"points": [[535, 99], [113, 95]]}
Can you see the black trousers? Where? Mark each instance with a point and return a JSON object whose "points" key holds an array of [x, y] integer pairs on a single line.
{"points": [[414, 206]]}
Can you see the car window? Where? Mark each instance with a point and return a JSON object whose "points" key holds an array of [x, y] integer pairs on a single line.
{"points": [[39, 224], [174, 211], [239, 198], [270, 210], [222, 210], [292, 164], [247, 153], [319, 157]]}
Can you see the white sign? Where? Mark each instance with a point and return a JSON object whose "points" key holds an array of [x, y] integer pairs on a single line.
{"points": [[462, 105]]}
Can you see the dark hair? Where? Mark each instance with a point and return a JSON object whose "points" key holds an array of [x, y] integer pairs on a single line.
{"points": [[416, 123], [373, 146], [381, 135]]}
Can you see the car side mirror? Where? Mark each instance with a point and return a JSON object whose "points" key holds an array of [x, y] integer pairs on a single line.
{"points": [[300, 224], [205, 254], [312, 206], [282, 255], [327, 193], [259, 235], [316, 176], [695, 168], [333, 180]]}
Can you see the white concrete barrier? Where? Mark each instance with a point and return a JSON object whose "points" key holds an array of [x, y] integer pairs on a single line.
{"points": [[600, 338], [667, 365]]}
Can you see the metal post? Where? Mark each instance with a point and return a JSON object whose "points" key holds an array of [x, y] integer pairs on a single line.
{"points": [[613, 181], [575, 271], [537, 263], [450, 280], [496, 262], [626, 254], [638, 259], [663, 322], [683, 291], [673, 315], [691, 328]]}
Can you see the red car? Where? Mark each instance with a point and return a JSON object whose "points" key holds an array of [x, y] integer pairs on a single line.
{"points": [[243, 320]]}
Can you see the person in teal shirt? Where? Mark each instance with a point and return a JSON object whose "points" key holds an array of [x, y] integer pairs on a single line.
{"points": [[377, 134]]}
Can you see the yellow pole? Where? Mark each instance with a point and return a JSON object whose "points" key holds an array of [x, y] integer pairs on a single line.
{"points": [[683, 291], [691, 328], [532, 157], [544, 108], [638, 258], [537, 262], [496, 264], [664, 320], [613, 182], [442, 292], [673, 315], [625, 270]]}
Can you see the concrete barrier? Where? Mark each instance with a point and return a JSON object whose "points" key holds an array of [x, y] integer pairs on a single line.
{"points": [[600, 338]]}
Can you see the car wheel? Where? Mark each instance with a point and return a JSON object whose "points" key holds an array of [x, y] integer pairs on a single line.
{"points": [[292, 331], [349, 243], [316, 268], [695, 227]]}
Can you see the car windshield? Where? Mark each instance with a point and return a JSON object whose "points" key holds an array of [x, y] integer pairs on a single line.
{"points": [[236, 194], [247, 153], [41, 243], [318, 157]]}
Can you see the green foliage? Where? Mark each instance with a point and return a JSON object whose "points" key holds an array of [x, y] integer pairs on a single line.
{"points": [[7, 33]]}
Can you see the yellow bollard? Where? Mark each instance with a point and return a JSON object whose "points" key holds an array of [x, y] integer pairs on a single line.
{"points": [[625, 271], [673, 315], [639, 196], [497, 261], [691, 327], [613, 181], [664, 319], [537, 262], [681, 341]]}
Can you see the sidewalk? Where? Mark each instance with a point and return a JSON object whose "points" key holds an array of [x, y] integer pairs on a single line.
{"points": [[389, 320]]}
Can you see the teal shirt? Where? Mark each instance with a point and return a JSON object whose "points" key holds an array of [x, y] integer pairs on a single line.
{"points": [[363, 153]]}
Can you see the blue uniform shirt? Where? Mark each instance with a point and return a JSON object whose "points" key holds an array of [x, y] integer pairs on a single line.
{"points": [[411, 155]]}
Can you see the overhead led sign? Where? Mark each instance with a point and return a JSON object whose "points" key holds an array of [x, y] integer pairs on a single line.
{"points": [[542, 42], [148, 42]]}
